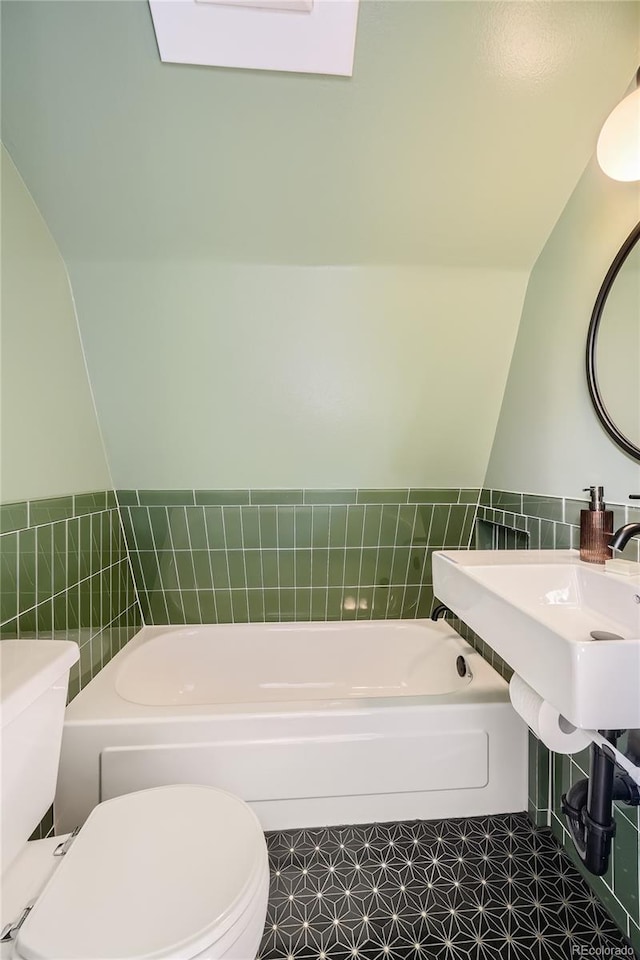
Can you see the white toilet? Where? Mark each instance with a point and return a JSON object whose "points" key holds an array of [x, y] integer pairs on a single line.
{"points": [[175, 872]]}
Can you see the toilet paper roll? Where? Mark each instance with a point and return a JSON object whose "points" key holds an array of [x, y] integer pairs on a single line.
{"points": [[547, 723]]}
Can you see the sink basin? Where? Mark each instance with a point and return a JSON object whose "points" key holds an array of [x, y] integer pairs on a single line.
{"points": [[537, 609]]}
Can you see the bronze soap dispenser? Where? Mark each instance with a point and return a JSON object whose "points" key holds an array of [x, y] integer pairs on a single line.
{"points": [[596, 528]]}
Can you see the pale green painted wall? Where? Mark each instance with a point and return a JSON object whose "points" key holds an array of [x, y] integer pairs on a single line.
{"points": [[247, 376], [50, 442], [548, 439]]}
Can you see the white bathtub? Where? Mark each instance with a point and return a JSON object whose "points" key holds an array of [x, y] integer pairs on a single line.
{"points": [[312, 723]]}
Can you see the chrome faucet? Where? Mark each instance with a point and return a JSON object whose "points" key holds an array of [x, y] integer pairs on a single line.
{"points": [[622, 536]]}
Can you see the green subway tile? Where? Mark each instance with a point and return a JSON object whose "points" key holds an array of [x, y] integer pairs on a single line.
{"points": [[160, 528], [286, 568], [185, 571], [271, 599], [206, 600], [453, 532], [303, 568], [268, 497], [222, 498], [255, 604], [270, 568], [542, 764], [137, 521], [410, 602], [168, 570], [49, 511], [44, 619], [286, 527], [415, 565], [626, 860], [467, 527], [89, 503], [235, 560], [268, 520], [573, 509], [27, 568], [253, 565], [27, 623], [439, 525], [422, 527], [219, 569], [634, 935], [197, 528], [223, 605], [330, 496], [389, 525], [320, 526], [506, 500], [178, 529], [149, 567], [546, 508], [340, 606], [74, 682], [469, 495], [383, 496], [425, 602], [127, 498], [318, 602], [407, 520], [337, 526], [563, 536], [175, 607], [239, 606], [533, 529], [400, 564], [232, 528], [165, 498], [191, 606], [364, 603], [287, 604], [9, 576], [303, 523], [383, 569], [59, 557], [547, 535], [359, 566], [303, 603], [13, 516], [434, 495], [44, 569], [371, 527], [250, 517], [112, 503], [355, 525], [214, 527], [60, 616], [485, 497], [336, 569]]}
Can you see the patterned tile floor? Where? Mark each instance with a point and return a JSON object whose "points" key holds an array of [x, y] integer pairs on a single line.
{"points": [[488, 888]]}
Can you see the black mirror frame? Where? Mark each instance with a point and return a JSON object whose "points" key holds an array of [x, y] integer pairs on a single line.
{"points": [[592, 337]]}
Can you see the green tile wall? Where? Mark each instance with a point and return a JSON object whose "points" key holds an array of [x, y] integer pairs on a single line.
{"points": [[222, 556], [553, 523], [64, 573]]}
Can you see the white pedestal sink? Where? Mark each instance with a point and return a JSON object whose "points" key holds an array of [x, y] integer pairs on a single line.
{"points": [[537, 610]]}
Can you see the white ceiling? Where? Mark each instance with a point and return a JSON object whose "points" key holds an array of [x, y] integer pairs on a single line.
{"points": [[458, 140]]}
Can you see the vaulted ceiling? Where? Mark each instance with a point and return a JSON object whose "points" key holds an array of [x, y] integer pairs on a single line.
{"points": [[457, 141]]}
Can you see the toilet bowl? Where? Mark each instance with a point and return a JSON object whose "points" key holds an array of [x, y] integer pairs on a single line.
{"points": [[172, 873]]}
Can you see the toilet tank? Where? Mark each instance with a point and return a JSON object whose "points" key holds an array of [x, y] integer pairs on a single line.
{"points": [[33, 689]]}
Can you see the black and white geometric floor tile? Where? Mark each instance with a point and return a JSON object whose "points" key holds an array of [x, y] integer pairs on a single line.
{"points": [[487, 888]]}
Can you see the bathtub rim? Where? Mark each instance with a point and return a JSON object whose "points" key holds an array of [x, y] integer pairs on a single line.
{"points": [[99, 700]]}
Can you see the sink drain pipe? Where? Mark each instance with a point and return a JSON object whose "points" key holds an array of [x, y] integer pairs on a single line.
{"points": [[588, 805]]}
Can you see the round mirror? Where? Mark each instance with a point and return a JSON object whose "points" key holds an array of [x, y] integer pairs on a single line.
{"points": [[613, 348]]}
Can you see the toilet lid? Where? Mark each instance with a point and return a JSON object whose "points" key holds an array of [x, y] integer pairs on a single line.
{"points": [[161, 872]]}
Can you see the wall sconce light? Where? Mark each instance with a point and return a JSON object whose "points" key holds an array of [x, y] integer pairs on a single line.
{"points": [[618, 149]]}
